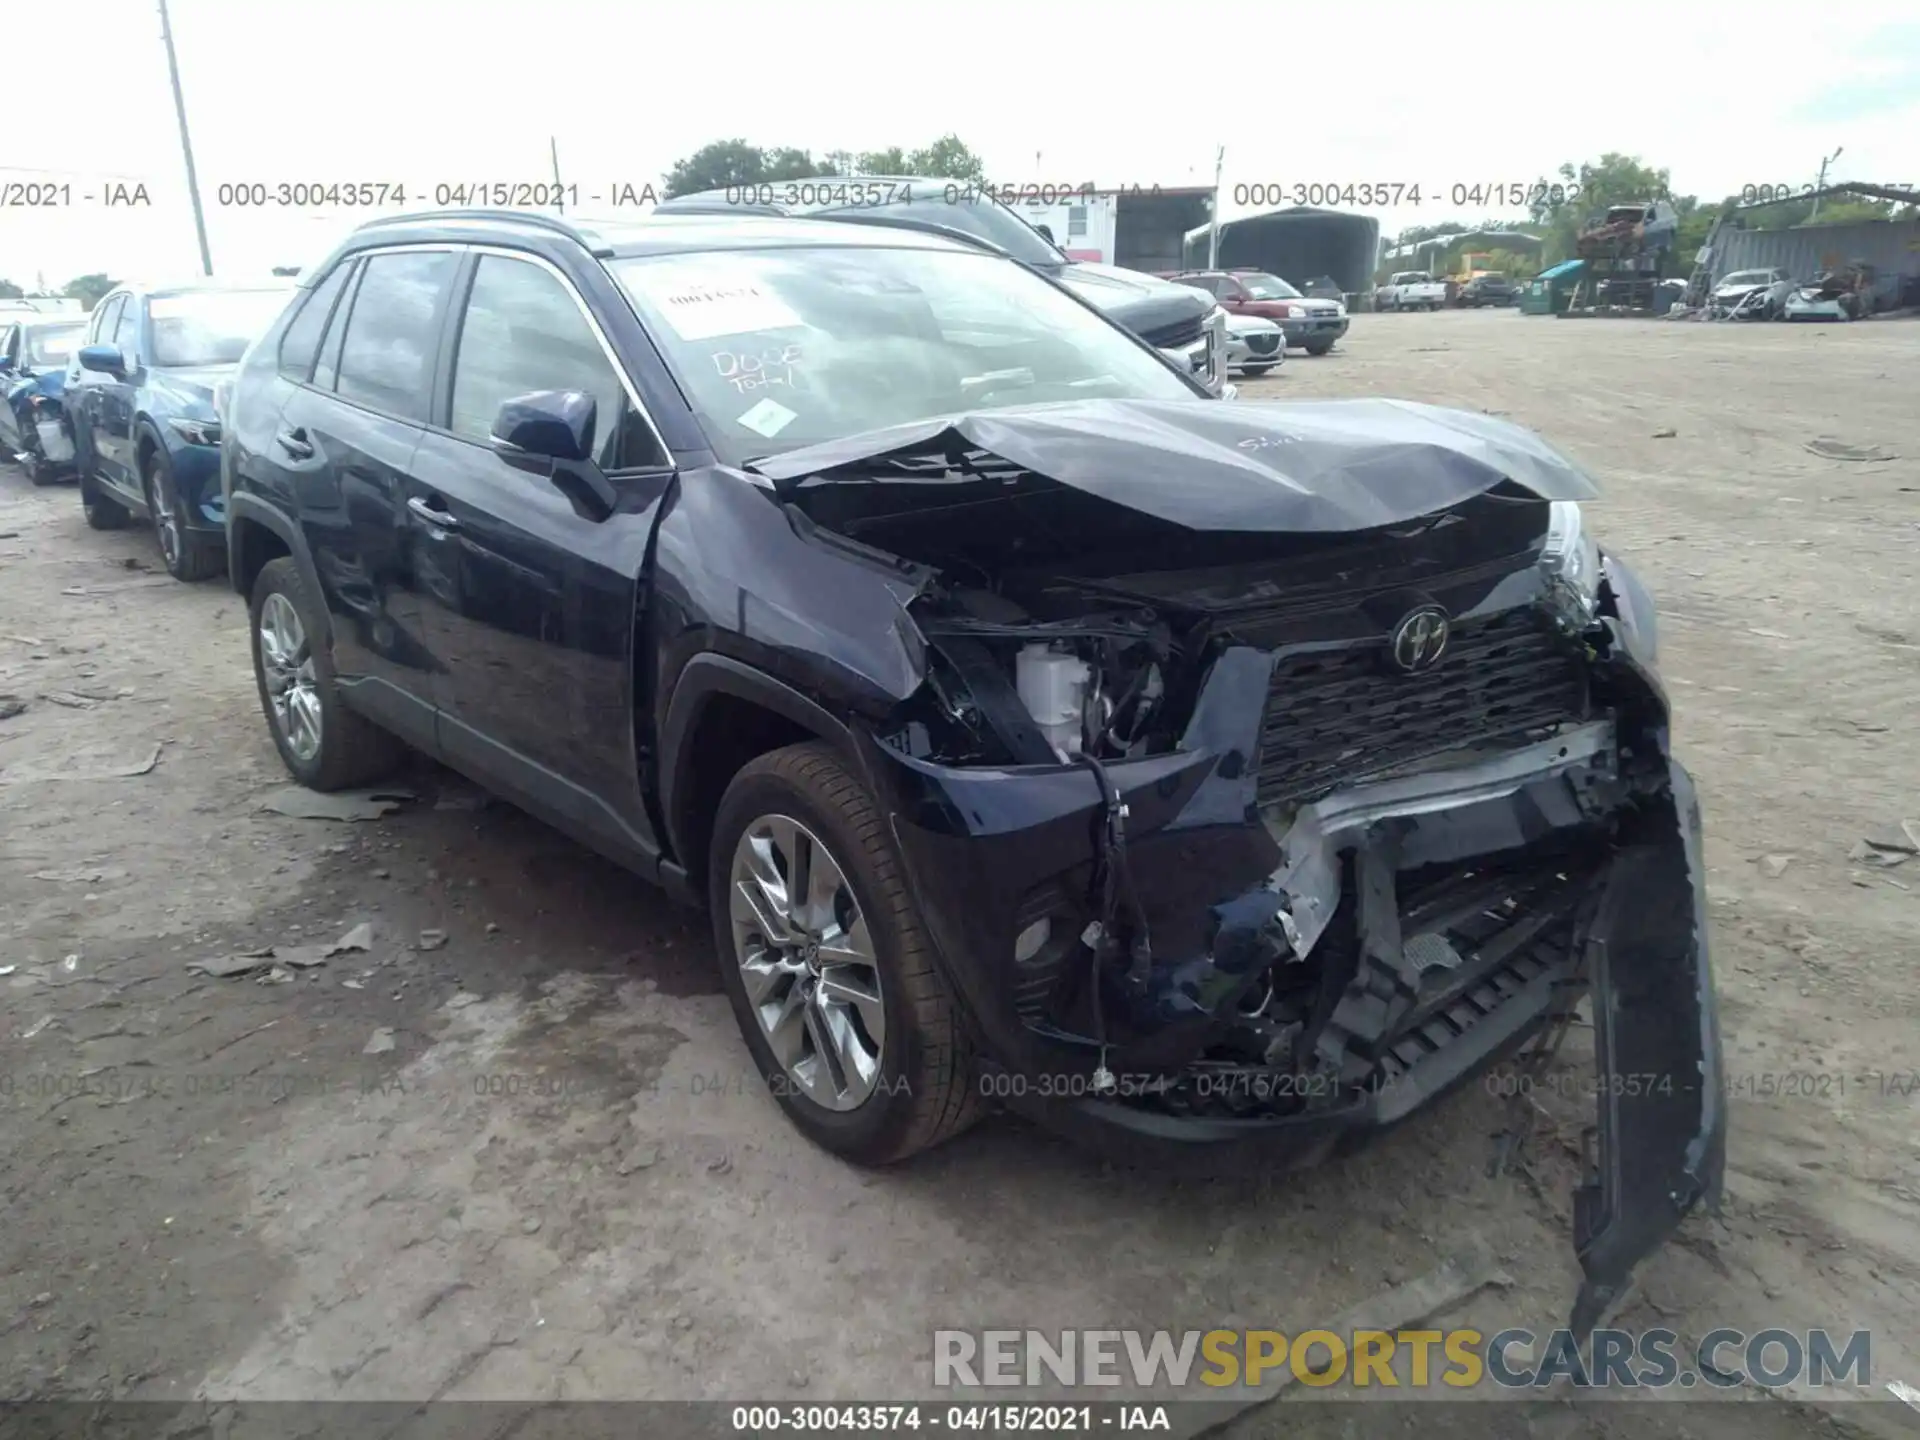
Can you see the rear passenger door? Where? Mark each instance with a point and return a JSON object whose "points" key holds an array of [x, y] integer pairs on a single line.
{"points": [[114, 407], [343, 444], [535, 595]]}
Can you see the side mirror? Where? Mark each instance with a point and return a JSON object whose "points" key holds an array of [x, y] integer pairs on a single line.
{"points": [[546, 425], [550, 433], [106, 359]]}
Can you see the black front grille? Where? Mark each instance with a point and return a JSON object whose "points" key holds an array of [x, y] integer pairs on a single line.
{"points": [[1340, 715], [1263, 344], [1176, 336]]}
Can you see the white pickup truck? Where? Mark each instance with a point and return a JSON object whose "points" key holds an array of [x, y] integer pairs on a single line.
{"points": [[1411, 290]]}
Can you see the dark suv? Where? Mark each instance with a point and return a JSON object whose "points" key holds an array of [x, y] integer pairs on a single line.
{"points": [[1037, 728]]}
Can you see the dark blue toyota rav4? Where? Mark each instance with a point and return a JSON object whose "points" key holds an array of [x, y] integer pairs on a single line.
{"points": [[1189, 774]]}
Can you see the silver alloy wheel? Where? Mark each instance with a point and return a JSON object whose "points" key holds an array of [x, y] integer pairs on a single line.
{"points": [[166, 521], [806, 959], [286, 659]]}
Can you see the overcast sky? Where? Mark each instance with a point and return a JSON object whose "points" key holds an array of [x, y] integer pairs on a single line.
{"points": [[419, 92]]}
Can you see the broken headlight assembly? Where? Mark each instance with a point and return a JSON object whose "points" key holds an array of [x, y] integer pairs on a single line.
{"points": [[1097, 699], [1570, 559]]}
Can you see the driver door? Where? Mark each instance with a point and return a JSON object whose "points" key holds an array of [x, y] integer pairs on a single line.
{"points": [[531, 593]]}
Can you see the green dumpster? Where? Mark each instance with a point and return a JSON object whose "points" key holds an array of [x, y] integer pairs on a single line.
{"points": [[1551, 291]]}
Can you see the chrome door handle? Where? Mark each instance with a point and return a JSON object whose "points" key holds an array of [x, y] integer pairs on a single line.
{"points": [[439, 519]]}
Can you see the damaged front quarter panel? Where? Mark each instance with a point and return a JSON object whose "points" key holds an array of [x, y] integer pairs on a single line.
{"points": [[738, 576]]}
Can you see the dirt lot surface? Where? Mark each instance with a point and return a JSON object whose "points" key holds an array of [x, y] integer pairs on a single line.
{"points": [[533, 1161]]}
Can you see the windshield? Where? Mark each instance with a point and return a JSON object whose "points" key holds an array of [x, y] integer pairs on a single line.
{"points": [[1748, 277], [211, 327], [52, 344], [955, 207], [1268, 287], [783, 348]]}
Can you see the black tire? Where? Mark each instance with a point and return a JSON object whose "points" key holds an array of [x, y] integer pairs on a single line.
{"points": [[353, 750], [101, 512], [926, 1091], [193, 557], [1254, 372], [1319, 347]]}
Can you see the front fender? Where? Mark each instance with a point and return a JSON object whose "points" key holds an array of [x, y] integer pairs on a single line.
{"points": [[702, 679]]}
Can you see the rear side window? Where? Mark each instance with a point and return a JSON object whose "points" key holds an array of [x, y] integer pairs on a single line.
{"points": [[523, 331], [327, 369], [386, 357], [300, 345]]}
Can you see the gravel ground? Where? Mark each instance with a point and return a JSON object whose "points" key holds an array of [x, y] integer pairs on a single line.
{"points": [[533, 1161]]}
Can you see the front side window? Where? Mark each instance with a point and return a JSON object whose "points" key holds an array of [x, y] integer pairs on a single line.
{"points": [[211, 327], [780, 348], [126, 331], [523, 331], [105, 318], [386, 357]]}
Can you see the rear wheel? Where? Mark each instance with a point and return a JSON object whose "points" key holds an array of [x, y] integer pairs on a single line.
{"points": [[101, 512], [831, 975], [324, 745], [1254, 372]]}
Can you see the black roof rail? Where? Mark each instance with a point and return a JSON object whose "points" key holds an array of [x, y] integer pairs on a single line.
{"points": [[908, 222], [849, 217], [551, 223]]}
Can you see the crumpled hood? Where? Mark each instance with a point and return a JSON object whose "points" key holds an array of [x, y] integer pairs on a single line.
{"points": [[1292, 466]]}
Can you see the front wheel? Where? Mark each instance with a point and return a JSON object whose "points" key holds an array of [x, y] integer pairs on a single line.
{"points": [[1254, 372], [189, 556], [1318, 347], [831, 976], [324, 745]]}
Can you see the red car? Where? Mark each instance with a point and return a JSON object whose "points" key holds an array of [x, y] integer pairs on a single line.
{"points": [[1312, 325]]}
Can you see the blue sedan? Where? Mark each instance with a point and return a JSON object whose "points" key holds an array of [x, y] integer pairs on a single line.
{"points": [[140, 397]]}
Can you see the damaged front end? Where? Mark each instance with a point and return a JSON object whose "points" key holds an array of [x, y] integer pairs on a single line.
{"points": [[1276, 771]]}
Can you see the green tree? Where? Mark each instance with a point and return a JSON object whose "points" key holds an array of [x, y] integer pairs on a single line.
{"points": [[947, 158], [11, 291], [1592, 188], [890, 161], [90, 290], [726, 163]]}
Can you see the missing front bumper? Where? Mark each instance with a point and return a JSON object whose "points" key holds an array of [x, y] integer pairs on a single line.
{"points": [[1385, 896]]}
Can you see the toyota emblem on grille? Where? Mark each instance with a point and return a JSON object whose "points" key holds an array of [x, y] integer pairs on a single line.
{"points": [[1420, 639]]}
